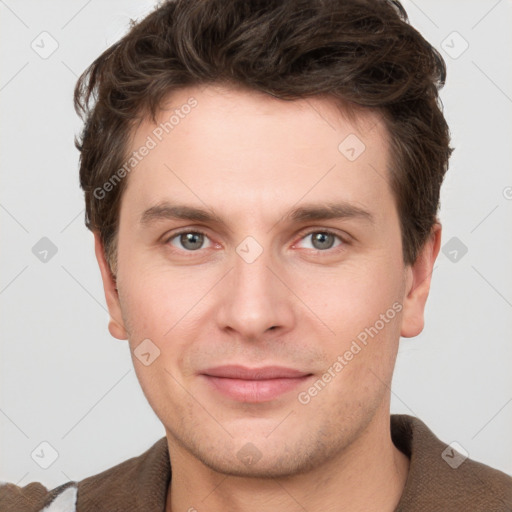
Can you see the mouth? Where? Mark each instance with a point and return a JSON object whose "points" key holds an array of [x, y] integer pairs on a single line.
{"points": [[253, 385]]}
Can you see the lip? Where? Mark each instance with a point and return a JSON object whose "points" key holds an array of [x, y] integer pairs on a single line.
{"points": [[253, 384]]}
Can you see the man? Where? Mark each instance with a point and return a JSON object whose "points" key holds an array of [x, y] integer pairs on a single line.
{"points": [[262, 180]]}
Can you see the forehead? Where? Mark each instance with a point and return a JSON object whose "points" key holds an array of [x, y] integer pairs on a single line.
{"points": [[242, 150]]}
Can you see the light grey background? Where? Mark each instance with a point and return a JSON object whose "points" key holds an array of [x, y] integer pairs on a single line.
{"points": [[65, 381]]}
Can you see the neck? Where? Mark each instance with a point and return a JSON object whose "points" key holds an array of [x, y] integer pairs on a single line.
{"points": [[368, 476]]}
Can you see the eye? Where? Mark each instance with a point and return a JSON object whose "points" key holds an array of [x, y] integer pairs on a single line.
{"points": [[322, 240], [188, 240]]}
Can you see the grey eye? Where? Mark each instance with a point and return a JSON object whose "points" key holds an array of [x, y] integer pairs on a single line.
{"points": [[190, 240], [322, 241]]}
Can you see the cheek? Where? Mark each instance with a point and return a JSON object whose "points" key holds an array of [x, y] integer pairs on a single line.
{"points": [[155, 298], [365, 315], [156, 309], [353, 296], [362, 305], [167, 306]]}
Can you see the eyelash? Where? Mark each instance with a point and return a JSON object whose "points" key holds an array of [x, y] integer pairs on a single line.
{"points": [[332, 250]]}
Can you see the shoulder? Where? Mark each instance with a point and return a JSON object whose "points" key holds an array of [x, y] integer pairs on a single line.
{"points": [[442, 475], [34, 497], [142, 479]]}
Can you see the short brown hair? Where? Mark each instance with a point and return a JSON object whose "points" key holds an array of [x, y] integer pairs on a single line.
{"points": [[361, 52]]}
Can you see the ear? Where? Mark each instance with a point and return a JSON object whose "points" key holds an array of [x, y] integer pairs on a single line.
{"points": [[115, 325], [418, 276]]}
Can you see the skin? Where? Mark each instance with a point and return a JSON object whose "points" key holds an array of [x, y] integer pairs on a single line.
{"points": [[250, 158]]}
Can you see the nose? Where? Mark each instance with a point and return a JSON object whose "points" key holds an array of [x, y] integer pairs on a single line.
{"points": [[255, 299]]}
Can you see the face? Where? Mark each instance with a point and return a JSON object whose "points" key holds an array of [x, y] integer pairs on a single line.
{"points": [[260, 234]]}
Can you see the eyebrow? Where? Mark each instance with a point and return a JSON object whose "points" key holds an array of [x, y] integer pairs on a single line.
{"points": [[306, 213]]}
